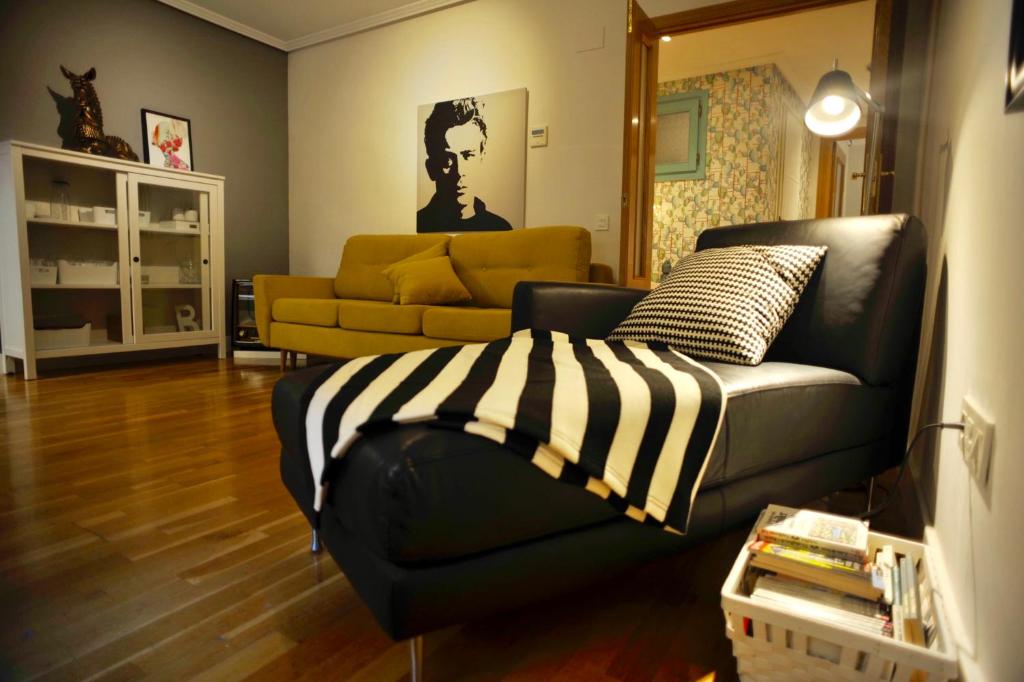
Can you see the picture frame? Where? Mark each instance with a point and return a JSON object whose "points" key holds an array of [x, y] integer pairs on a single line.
{"points": [[167, 140], [1015, 63]]}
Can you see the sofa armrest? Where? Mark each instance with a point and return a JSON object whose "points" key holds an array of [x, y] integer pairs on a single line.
{"points": [[269, 288], [586, 310], [601, 274]]}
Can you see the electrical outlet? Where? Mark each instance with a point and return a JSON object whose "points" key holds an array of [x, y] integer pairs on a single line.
{"points": [[976, 440], [601, 222]]}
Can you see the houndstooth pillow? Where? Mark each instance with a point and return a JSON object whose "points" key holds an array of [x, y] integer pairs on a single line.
{"points": [[724, 304]]}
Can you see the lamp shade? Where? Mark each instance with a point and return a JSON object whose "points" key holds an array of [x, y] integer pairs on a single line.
{"points": [[834, 107]]}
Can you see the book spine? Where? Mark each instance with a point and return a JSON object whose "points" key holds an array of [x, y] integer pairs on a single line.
{"points": [[897, 604], [803, 543], [812, 559]]}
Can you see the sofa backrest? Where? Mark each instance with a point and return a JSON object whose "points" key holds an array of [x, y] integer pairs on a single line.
{"points": [[862, 309], [365, 256], [490, 264]]}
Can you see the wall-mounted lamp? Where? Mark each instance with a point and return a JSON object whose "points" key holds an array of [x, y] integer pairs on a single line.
{"points": [[666, 39], [834, 108]]}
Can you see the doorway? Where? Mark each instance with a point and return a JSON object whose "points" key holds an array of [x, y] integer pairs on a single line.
{"points": [[716, 137], [840, 183]]}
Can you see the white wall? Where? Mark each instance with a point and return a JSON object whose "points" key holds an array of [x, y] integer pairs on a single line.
{"points": [[971, 202], [352, 117]]}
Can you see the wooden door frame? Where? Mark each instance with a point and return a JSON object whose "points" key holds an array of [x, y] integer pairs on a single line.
{"points": [[638, 146], [699, 19]]}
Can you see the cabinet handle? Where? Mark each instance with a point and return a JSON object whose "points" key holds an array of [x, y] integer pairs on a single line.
{"points": [[206, 261], [135, 259]]}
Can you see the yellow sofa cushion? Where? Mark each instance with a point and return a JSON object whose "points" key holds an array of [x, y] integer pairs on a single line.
{"points": [[440, 249], [490, 264], [348, 343], [365, 256], [375, 316], [429, 282], [319, 312], [463, 323]]}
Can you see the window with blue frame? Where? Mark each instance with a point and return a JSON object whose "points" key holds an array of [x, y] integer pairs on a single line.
{"points": [[682, 136]]}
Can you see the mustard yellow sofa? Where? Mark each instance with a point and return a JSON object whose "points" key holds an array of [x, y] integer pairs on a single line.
{"points": [[352, 314]]}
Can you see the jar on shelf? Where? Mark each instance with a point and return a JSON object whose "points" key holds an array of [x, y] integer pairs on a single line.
{"points": [[60, 200]]}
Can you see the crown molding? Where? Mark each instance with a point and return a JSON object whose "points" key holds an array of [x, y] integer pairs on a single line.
{"points": [[413, 9], [407, 11], [226, 22]]}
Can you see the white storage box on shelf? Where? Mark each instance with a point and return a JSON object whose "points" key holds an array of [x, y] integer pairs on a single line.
{"points": [[180, 226], [48, 339], [104, 215], [87, 273], [782, 645], [160, 274], [42, 274]]}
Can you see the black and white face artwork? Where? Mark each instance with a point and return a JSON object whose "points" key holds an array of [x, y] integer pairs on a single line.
{"points": [[472, 164]]}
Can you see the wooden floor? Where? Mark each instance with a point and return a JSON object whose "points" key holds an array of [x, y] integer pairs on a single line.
{"points": [[144, 533]]}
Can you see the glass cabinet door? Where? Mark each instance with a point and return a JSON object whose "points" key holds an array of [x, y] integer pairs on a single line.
{"points": [[170, 244]]}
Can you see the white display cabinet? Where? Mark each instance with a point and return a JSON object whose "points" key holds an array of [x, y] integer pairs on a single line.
{"points": [[101, 255]]}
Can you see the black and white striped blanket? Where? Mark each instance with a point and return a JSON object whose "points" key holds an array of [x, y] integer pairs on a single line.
{"points": [[631, 422]]}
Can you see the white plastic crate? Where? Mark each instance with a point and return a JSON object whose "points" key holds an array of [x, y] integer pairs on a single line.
{"points": [[787, 646], [40, 273], [49, 339], [160, 274], [95, 273]]}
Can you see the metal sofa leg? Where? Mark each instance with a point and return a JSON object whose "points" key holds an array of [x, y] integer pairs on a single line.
{"points": [[314, 545], [416, 659]]}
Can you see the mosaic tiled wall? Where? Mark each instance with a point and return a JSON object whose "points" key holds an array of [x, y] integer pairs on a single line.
{"points": [[746, 120]]}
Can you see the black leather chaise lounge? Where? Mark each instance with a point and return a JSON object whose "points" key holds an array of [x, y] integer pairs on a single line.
{"points": [[434, 527]]}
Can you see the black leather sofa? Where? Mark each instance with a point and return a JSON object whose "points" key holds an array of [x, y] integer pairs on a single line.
{"points": [[435, 527]]}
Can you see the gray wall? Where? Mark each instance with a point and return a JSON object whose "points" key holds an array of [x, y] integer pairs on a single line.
{"points": [[148, 55]]}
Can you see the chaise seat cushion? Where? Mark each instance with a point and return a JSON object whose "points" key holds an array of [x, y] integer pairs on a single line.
{"points": [[377, 316], [464, 323], [319, 312], [420, 494]]}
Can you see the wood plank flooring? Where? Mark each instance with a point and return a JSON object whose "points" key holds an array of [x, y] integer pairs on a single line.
{"points": [[144, 534]]}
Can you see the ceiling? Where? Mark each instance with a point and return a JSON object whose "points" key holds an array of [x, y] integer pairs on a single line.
{"points": [[802, 45], [296, 24], [657, 8]]}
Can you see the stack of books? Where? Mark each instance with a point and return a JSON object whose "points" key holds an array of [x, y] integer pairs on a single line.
{"points": [[819, 565]]}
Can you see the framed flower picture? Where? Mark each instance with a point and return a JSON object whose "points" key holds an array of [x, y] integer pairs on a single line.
{"points": [[167, 140]]}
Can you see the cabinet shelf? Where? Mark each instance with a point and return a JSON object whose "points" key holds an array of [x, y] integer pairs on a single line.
{"points": [[172, 286], [76, 286], [57, 222], [163, 230]]}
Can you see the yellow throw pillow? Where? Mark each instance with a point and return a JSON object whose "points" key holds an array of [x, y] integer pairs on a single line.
{"points": [[433, 252], [429, 282]]}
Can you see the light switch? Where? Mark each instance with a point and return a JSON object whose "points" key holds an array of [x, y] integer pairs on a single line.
{"points": [[601, 222], [538, 136]]}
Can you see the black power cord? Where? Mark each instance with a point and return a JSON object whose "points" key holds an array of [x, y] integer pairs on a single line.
{"points": [[875, 511]]}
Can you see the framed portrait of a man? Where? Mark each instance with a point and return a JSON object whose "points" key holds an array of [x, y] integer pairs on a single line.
{"points": [[472, 163]]}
